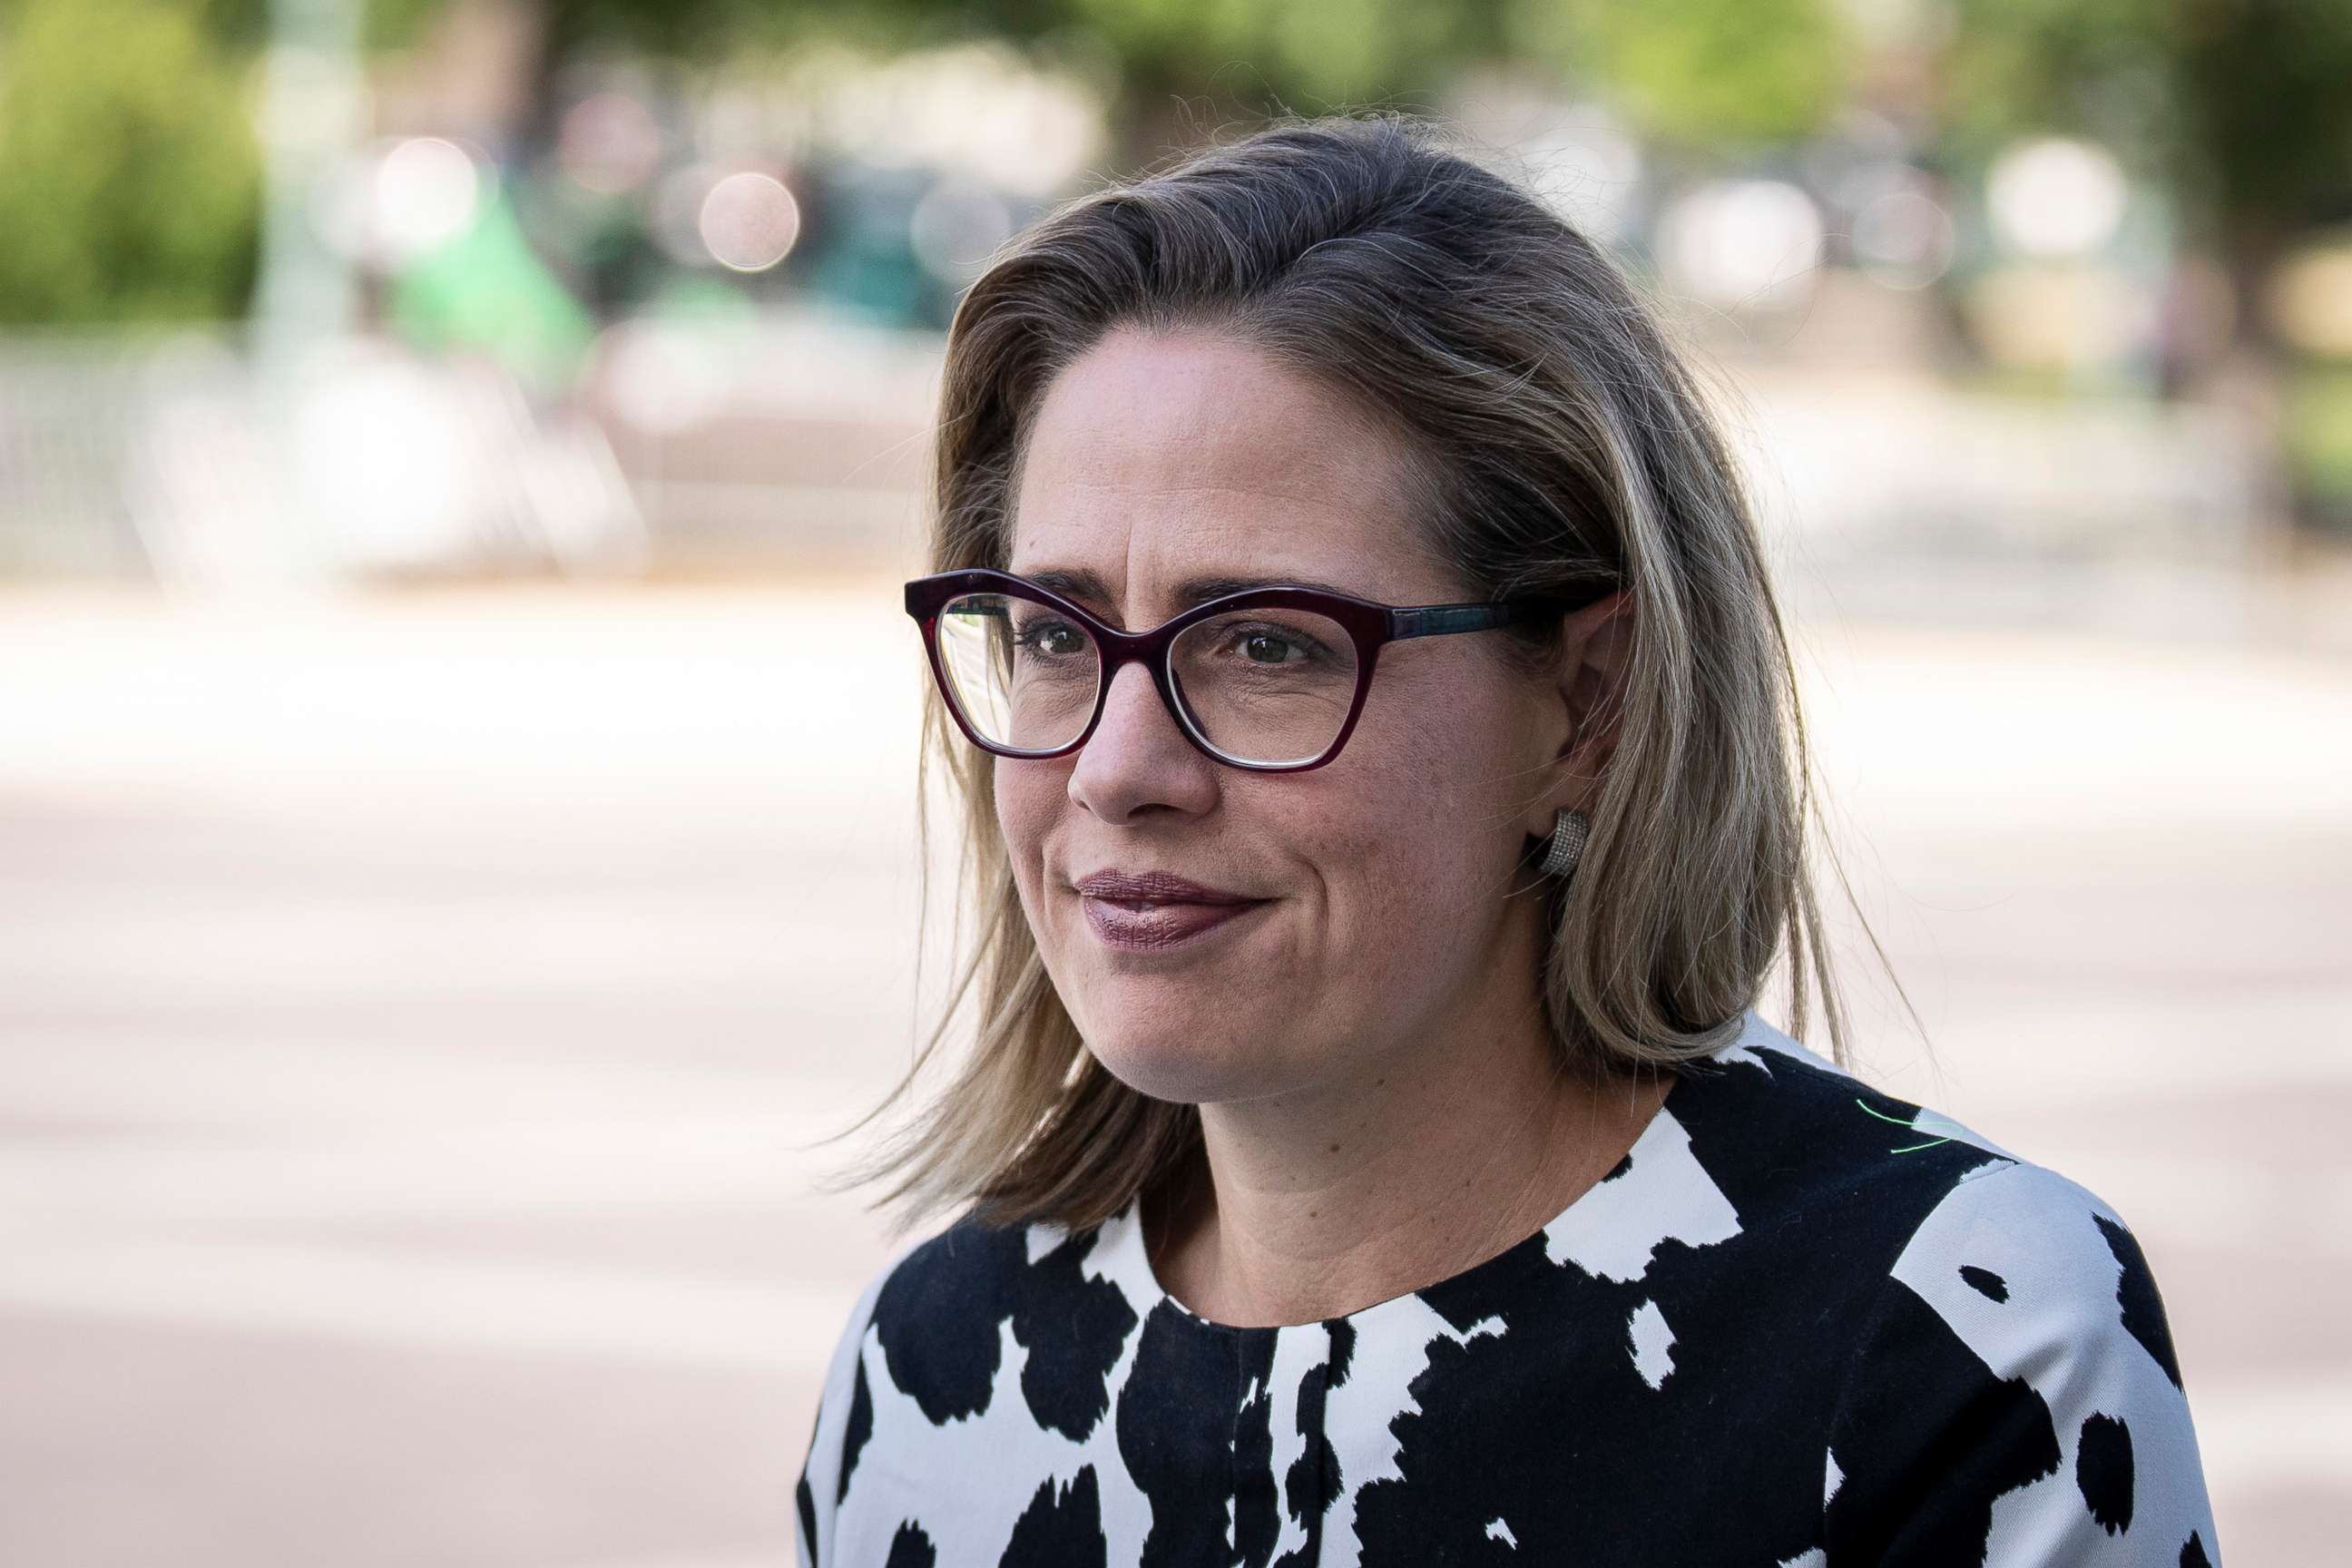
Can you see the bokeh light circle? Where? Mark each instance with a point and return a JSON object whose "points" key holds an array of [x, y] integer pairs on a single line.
{"points": [[749, 221], [425, 195], [2055, 198]]}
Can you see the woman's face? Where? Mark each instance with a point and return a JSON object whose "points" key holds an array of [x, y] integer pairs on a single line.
{"points": [[1160, 459]]}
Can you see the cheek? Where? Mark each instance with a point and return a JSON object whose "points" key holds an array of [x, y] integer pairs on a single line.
{"points": [[1028, 798], [1418, 838], [1024, 809], [1394, 852]]}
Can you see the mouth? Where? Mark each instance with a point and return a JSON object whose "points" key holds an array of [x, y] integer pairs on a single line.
{"points": [[1157, 925]]}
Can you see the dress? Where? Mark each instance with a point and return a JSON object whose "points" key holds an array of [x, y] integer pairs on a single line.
{"points": [[1801, 1324]]}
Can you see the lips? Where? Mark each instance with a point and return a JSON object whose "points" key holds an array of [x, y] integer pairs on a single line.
{"points": [[1153, 910], [1155, 928], [1154, 887]]}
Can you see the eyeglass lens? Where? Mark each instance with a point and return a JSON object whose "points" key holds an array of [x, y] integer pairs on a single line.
{"points": [[1264, 685]]}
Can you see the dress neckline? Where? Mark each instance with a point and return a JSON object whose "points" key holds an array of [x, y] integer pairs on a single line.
{"points": [[1119, 1251]]}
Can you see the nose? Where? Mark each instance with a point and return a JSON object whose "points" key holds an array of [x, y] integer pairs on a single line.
{"points": [[1138, 757]]}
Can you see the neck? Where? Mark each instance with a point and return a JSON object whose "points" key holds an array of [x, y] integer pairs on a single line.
{"points": [[1321, 1201]]}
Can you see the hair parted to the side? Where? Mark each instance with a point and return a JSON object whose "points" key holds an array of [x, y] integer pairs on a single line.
{"points": [[1556, 439]]}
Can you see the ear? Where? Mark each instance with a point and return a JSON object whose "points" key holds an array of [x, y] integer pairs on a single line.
{"points": [[1583, 708]]}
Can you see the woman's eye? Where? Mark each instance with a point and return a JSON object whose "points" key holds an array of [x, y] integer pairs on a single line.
{"points": [[1057, 638], [1265, 647], [1274, 646]]}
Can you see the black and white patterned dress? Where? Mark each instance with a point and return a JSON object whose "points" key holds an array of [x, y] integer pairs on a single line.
{"points": [[1800, 1323]]}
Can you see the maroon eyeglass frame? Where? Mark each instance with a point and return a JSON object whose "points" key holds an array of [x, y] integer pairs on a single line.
{"points": [[1371, 623]]}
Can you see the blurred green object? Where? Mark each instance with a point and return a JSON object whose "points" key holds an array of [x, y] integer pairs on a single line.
{"points": [[130, 179], [2319, 435], [487, 291], [1705, 75], [1699, 75]]}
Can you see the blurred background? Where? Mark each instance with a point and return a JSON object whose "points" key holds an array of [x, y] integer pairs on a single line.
{"points": [[457, 732]]}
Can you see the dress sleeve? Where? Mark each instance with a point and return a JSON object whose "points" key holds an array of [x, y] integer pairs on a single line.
{"points": [[845, 1416], [2013, 1397]]}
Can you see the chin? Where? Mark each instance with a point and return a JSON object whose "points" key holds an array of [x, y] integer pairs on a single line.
{"points": [[1174, 1067]]}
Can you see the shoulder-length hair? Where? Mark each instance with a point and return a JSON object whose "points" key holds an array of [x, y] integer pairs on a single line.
{"points": [[1555, 440]]}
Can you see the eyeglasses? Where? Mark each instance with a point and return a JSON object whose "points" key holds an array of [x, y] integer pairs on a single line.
{"points": [[1270, 678]]}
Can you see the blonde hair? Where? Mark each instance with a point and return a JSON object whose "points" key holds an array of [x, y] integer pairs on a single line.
{"points": [[1555, 440]]}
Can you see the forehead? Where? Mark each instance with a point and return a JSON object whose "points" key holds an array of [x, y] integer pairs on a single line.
{"points": [[1160, 459]]}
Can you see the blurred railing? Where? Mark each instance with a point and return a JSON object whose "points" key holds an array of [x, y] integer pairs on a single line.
{"points": [[186, 460], [69, 411], [1906, 466]]}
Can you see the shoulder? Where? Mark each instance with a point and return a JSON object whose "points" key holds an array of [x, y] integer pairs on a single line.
{"points": [[844, 1403], [2017, 1254], [2002, 1248], [2036, 1279], [2015, 1383], [1795, 1089], [1000, 1334], [1973, 1222], [1814, 1159], [2007, 1374]]}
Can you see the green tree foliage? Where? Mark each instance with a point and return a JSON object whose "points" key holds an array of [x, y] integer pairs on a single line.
{"points": [[130, 182], [2244, 107], [129, 178], [1699, 73]]}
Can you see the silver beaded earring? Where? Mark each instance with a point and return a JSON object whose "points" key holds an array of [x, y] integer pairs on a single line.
{"points": [[1567, 843]]}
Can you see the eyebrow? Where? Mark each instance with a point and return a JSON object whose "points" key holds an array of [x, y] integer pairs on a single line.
{"points": [[1085, 585]]}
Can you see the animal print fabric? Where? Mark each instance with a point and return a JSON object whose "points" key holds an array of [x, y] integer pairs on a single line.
{"points": [[1801, 1324]]}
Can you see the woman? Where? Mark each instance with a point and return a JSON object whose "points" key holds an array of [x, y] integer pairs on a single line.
{"points": [[1371, 1153]]}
